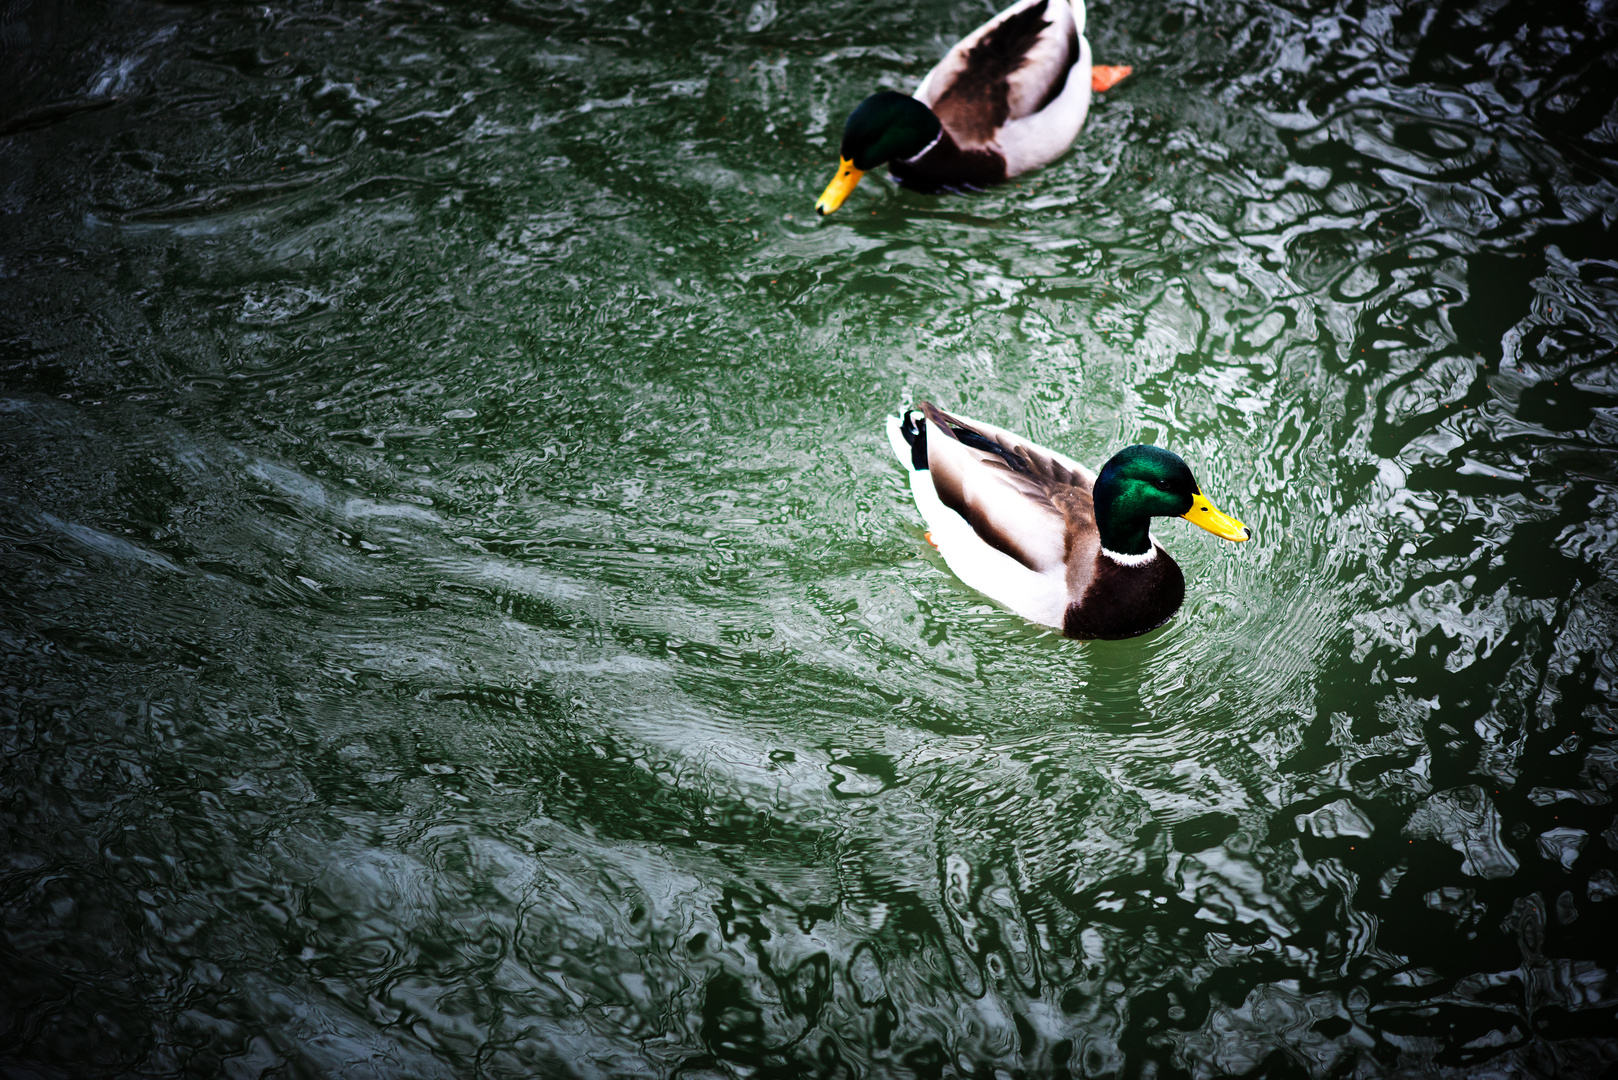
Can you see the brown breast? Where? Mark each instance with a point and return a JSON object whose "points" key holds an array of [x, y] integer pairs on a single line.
{"points": [[1122, 601], [947, 167]]}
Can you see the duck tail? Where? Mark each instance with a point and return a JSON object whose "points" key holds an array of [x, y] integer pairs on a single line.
{"points": [[908, 435]]}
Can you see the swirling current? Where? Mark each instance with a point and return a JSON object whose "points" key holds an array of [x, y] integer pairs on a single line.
{"points": [[460, 615]]}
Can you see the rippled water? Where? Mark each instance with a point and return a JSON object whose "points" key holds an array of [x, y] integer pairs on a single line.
{"points": [[461, 617]]}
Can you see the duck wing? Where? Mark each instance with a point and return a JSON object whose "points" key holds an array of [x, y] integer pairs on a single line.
{"points": [[1009, 68], [1021, 499]]}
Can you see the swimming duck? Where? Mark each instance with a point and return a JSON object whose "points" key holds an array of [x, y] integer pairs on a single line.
{"points": [[1054, 542], [1009, 97]]}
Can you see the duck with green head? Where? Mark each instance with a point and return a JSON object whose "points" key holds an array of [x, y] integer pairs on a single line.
{"points": [[1044, 536], [1010, 97]]}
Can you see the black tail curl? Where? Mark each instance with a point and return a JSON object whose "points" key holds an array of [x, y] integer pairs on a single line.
{"points": [[914, 429]]}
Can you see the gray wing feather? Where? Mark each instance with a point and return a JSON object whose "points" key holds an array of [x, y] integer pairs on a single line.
{"points": [[1021, 499]]}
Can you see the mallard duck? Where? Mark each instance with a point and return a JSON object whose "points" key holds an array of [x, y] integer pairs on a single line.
{"points": [[1045, 536], [1010, 97]]}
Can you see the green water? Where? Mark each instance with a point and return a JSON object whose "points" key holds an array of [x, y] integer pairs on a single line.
{"points": [[461, 616]]}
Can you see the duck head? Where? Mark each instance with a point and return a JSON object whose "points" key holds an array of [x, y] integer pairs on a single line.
{"points": [[884, 127], [1142, 482]]}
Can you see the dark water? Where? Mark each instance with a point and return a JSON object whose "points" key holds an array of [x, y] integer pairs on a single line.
{"points": [[460, 616]]}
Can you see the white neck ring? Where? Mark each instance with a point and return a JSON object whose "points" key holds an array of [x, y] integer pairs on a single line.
{"points": [[918, 155], [1133, 560]]}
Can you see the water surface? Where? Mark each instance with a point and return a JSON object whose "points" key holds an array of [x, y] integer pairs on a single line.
{"points": [[461, 616]]}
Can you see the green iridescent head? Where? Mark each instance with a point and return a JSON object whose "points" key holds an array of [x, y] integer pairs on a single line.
{"points": [[885, 126], [1142, 482]]}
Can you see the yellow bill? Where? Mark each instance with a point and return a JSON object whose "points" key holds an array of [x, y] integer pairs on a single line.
{"points": [[841, 184], [1221, 524]]}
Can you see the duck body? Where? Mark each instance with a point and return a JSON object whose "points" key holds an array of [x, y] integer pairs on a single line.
{"points": [[1043, 535], [1017, 88], [1009, 97]]}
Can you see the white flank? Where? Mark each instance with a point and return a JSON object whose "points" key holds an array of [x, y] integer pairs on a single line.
{"points": [[1039, 598], [1029, 139], [1040, 139]]}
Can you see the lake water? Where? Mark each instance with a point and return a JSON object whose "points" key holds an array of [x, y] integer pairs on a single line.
{"points": [[461, 616]]}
